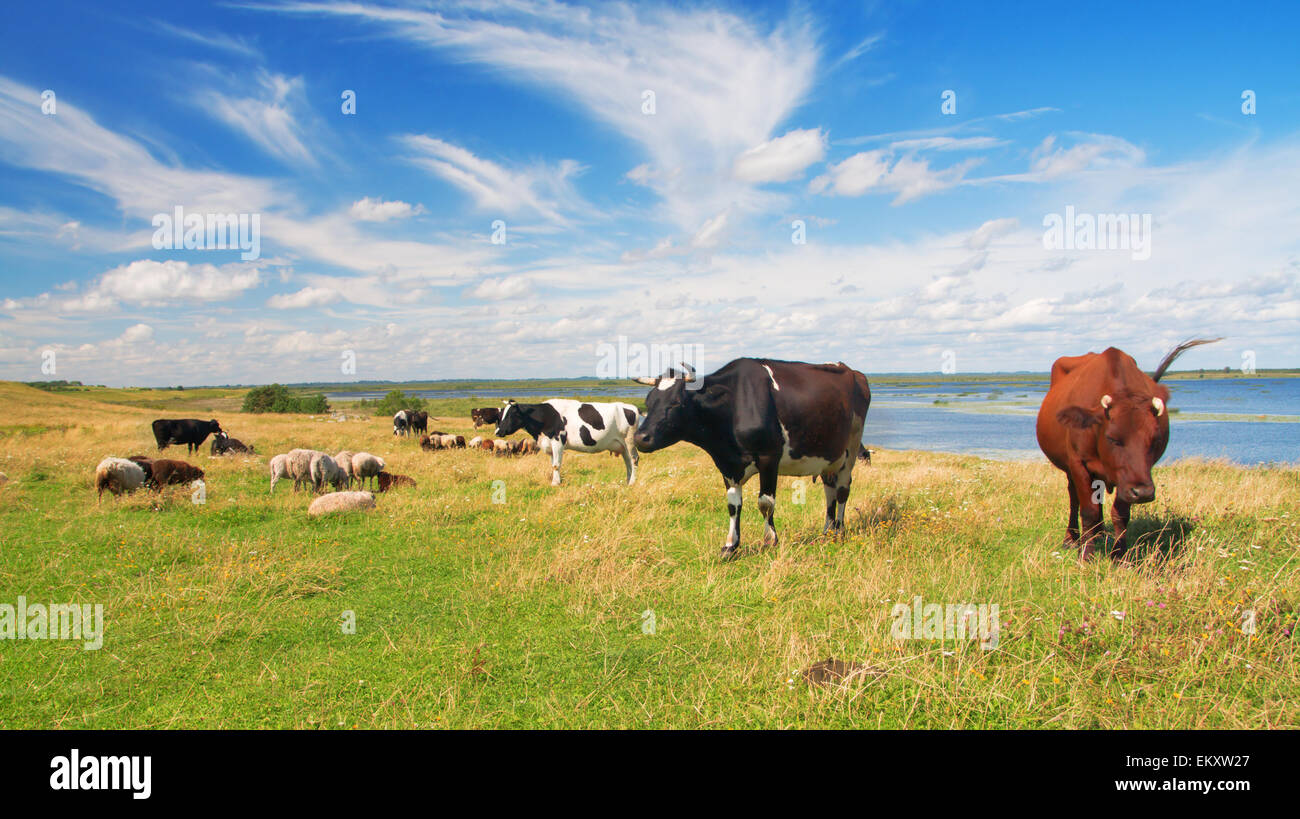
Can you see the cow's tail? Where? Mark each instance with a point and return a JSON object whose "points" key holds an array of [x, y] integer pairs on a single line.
{"points": [[1179, 350]]}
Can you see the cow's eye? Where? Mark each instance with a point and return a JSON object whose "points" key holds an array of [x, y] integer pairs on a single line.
{"points": [[1113, 442]]}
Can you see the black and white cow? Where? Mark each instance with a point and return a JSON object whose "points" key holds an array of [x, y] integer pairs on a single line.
{"points": [[402, 423], [563, 423], [764, 417]]}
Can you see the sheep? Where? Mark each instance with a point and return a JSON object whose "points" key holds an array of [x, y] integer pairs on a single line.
{"points": [[365, 465], [146, 464], [117, 475], [341, 502], [279, 469], [429, 443], [300, 465], [475, 441], [344, 460], [166, 472], [451, 441], [324, 470], [488, 444], [501, 446], [388, 480]]}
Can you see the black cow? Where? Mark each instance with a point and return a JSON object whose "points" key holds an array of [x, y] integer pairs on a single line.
{"points": [[767, 418], [485, 416], [223, 444], [189, 431], [419, 420]]}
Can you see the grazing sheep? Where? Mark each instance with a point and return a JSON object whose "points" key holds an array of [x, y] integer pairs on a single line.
{"points": [[449, 441], [117, 475], [146, 464], [300, 465], [365, 465], [501, 446], [528, 447], [388, 480], [475, 441], [279, 469], [341, 502], [324, 470], [429, 443], [488, 444], [170, 472], [344, 460]]}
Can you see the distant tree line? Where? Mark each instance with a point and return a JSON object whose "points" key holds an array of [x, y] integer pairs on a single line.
{"points": [[390, 404], [277, 398]]}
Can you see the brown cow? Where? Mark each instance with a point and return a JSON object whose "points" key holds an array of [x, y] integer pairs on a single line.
{"points": [[484, 416], [1104, 424]]}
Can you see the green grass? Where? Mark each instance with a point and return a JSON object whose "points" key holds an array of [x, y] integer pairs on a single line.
{"points": [[528, 613]]}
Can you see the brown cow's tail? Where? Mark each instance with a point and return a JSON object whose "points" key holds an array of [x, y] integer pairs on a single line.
{"points": [[1179, 350]]}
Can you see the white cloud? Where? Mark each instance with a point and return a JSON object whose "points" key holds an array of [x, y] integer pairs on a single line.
{"points": [[541, 189], [268, 119], [151, 283], [306, 297], [377, 210], [781, 159], [871, 171], [511, 287]]}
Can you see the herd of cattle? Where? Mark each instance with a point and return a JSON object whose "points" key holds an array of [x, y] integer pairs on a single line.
{"points": [[1103, 421]]}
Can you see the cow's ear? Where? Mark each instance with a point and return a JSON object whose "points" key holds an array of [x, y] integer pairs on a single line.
{"points": [[1078, 417], [712, 397]]}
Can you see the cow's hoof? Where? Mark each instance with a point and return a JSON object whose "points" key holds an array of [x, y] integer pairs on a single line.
{"points": [[728, 553], [770, 538]]}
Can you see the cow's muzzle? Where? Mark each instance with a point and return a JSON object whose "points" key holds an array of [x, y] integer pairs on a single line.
{"points": [[1140, 493]]}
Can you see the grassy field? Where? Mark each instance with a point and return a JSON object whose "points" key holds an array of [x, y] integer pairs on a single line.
{"points": [[529, 613]]}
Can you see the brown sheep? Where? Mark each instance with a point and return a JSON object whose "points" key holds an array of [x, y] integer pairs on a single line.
{"points": [[174, 472], [388, 480]]}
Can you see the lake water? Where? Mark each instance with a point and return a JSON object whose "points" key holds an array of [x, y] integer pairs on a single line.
{"points": [[995, 419]]}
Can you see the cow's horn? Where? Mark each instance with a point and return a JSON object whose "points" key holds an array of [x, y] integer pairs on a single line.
{"points": [[1159, 405], [1105, 402], [647, 380], [689, 370]]}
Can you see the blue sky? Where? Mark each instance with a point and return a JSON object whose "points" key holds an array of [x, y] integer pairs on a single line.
{"points": [[924, 229]]}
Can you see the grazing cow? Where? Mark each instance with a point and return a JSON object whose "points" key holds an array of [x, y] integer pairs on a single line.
{"points": [[484, 416], [419, 420], [1104, 424], [864, 454], [401, 423], [223, 444], [189, 431], [576, 425], [764, 417]]}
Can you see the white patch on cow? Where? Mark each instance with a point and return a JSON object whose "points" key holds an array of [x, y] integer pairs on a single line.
{"points": [[808, 465], [666, 383], [775, 385], [734, 498]]}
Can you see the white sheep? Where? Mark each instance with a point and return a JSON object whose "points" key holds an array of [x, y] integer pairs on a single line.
{"points": [[475, 441], [324, 470], [341, 502], [117, 475], [365, 465], [279, 469]]}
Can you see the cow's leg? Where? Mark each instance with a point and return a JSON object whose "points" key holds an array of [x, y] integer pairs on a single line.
{"points": [[1072, 529], [767, 474], [1089, 510], [734, 497], [630, 455], [843, 483], [557, 455], [1119, 515]]}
